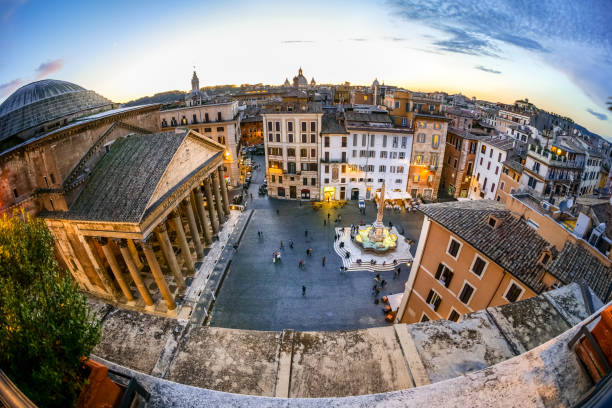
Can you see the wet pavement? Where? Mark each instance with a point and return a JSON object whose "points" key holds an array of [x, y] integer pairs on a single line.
{"points": [[261, 295]]}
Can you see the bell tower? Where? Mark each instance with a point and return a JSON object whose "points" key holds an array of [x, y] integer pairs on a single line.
{"points": [[195, 82]]}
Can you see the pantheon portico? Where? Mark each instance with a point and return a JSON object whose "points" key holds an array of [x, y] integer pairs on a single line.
{"points": [[143, 219]]}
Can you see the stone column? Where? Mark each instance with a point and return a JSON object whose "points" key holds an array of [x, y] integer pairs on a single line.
{"points": [[182, 240], [199, 202], [134, 252], [217, 193], [193, 228], [162, 236], [142, 288], [226, 208], [99, 268], [112, 261], [210, 204], [147, 248]]}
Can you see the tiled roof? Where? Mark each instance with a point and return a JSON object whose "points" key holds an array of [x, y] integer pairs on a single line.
{"points": [[577, 264], [514, 165], [502, 144], [376, 117], [124, 180], [513, 245], [333, 123]]}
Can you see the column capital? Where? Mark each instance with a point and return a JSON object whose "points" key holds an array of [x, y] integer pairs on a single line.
{"points": [[147, 242], [121, 243], [161, 227]]}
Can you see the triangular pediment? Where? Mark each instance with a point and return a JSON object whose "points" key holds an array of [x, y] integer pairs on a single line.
{"points": [[194, 151]]}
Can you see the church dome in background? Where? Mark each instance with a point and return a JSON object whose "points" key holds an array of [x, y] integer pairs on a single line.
{"points": [[44, 101]]}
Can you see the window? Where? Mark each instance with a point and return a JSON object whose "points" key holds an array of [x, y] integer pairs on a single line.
{"points": [[491, 153], [418, 159], [435, 141], [313, 181], [466, 293], [488, 165], [52, 178], [305, 181], [513, 293], [343, 141], [304, 138], [372, 140], [532, 182], [327, 168], [277, 138], [219, 117], [422, 125], [313, 152], [404, 142], [290, 137], [15, 193], [363, 140], [290, 152], [313, 126], [493, 187], [483, 149], [453, 248], [383, 154], [444, 274], [313, 138], [273, 178], [437, 125], [472, 147], [290, 126], [384, 142], [469, 169], [424, 318], [499, 158], [402, 155], [396, 105], [303, 126], [434, 160], [382, 169], [481, 161], [400, 169], [433, 300], [421, 137], [454, 316], [291, 167], [478, 266], [303, 153], [270, 137], [354, 140], [416, 178]]}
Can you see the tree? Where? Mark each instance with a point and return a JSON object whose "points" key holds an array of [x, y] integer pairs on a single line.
{"points": [[46, 326]]}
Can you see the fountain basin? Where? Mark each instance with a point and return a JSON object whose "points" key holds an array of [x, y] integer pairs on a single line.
{"points": [[386, 242]]}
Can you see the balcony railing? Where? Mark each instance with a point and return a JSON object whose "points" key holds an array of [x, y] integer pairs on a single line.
{"points": [[340, 160]]}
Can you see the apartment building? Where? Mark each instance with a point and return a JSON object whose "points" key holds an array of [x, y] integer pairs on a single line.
{"points": [[553, 172], [291, 140], [427, 154], [506, 118], [509, 180], [218, 121], [361, 150], [459, 159], [491, 256], [492, 153]]}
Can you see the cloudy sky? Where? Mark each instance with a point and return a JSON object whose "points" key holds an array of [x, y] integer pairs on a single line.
{"points": [[556, 53]]}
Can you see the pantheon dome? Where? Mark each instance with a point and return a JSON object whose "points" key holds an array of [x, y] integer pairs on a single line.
{"points": [[44, 105]]}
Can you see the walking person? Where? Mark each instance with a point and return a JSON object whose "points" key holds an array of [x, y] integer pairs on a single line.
{"points": [[300, 264], [305, 233], [303, 290], [291, 243], [277, 212], [323, 260], [282, 246]]}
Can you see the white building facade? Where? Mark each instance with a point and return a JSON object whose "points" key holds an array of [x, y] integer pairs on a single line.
{"points": [[360, 151], [291, 140], [492, 153]]}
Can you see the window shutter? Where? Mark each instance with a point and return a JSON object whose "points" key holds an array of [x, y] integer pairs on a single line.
{"points": [[439, 271], [449, 277], [429, 296]]}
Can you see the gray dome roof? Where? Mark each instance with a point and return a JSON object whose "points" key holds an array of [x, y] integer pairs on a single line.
{"points": [[36, 91], [44, 101]]}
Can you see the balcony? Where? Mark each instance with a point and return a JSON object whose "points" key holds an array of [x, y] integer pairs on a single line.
{"points": [[333, 160], [552, 159]]}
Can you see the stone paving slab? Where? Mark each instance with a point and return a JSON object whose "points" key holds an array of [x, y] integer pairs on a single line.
{"points": [[136, 340], [449, 349], [329, 364], [528, 323], [237, 361]]}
